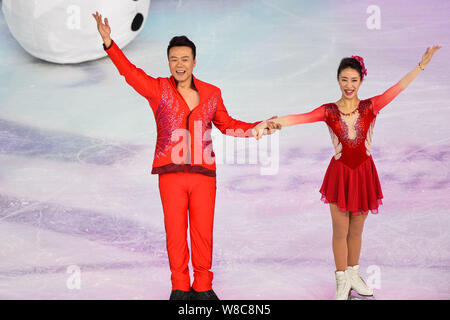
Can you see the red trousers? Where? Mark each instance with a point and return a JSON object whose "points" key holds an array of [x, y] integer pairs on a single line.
{"points": [[194, 192]]}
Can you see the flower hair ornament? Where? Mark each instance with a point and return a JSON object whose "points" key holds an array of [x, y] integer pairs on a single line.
{"points": [[363, 68]]}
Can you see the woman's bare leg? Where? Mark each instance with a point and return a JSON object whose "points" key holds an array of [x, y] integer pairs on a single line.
{"points": [[354, 238], [340, 220]]}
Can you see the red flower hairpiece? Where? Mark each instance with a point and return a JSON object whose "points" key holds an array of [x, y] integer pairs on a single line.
{"points": [[361, 62]]}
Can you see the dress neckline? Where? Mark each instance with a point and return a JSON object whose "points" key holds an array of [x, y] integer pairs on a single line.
{"points": [[350, 113]]}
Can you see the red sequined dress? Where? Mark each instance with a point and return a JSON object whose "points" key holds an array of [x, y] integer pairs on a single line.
{"points": [[351, 180]]}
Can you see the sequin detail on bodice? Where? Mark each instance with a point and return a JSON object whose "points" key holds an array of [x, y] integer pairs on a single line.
{"points": [[351, 134]]}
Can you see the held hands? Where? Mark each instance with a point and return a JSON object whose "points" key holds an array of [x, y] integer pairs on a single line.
{"points": [[103, 28], [428, 55], [265, 128]]}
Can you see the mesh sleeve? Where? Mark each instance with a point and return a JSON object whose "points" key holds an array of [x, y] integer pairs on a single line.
{"points": [[382, 100], [317, 114]]}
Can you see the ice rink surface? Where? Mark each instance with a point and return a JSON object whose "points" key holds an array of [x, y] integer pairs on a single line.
{"points": [[76, 148]]}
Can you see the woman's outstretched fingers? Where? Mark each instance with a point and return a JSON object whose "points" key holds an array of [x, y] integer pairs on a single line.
{"points": [[429, 54]]}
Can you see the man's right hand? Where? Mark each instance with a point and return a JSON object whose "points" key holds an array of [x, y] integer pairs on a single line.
{"points": [[103, 28]]}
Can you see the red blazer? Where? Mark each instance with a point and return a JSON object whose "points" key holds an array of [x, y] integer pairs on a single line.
{"points": [[184, 136]]}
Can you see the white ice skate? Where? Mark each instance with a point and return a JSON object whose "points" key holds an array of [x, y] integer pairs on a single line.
{"points": [[343, 285], [357, 283]]}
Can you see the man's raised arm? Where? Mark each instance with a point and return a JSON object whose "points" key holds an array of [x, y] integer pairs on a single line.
{"points": [[144, 84]]}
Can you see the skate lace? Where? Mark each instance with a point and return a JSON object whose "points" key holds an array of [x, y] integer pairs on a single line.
{"points": [[340, 283]]}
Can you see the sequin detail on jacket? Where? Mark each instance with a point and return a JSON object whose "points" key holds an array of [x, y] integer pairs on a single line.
{"points": [[169, 117]]}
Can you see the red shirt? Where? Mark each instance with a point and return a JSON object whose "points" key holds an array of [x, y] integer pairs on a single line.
{"points": [[184, 136]]}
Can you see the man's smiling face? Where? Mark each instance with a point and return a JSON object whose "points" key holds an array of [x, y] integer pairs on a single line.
{"points": [[181, 63]]}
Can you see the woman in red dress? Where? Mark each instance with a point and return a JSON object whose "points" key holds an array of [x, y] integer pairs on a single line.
{"points": [[351, 186]]}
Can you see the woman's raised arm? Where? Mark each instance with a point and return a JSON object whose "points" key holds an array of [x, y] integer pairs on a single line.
{"points": [[380, 101]]}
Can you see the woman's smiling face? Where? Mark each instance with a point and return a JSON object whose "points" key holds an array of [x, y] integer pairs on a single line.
{"points": [[349, 81]]}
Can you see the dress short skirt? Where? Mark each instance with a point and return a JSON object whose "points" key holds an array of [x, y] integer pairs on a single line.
{"points": [[354, 190]]}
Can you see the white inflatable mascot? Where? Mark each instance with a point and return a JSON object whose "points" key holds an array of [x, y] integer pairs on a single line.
{"points": [[63, 31]]}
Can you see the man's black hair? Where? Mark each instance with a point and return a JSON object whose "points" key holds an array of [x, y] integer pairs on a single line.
{"points": [[181, 41]]}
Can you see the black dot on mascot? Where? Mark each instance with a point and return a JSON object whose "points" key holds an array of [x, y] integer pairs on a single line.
{"points": [[137, 22]]}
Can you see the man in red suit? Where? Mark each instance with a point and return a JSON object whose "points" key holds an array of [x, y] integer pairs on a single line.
{"points": [[184, 108]]}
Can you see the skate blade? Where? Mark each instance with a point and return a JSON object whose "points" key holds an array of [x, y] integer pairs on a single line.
{"points": [[355, 296]]}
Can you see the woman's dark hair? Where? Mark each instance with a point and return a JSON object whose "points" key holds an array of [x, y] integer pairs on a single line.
{"points": [[181, 41], [350, 63]]}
